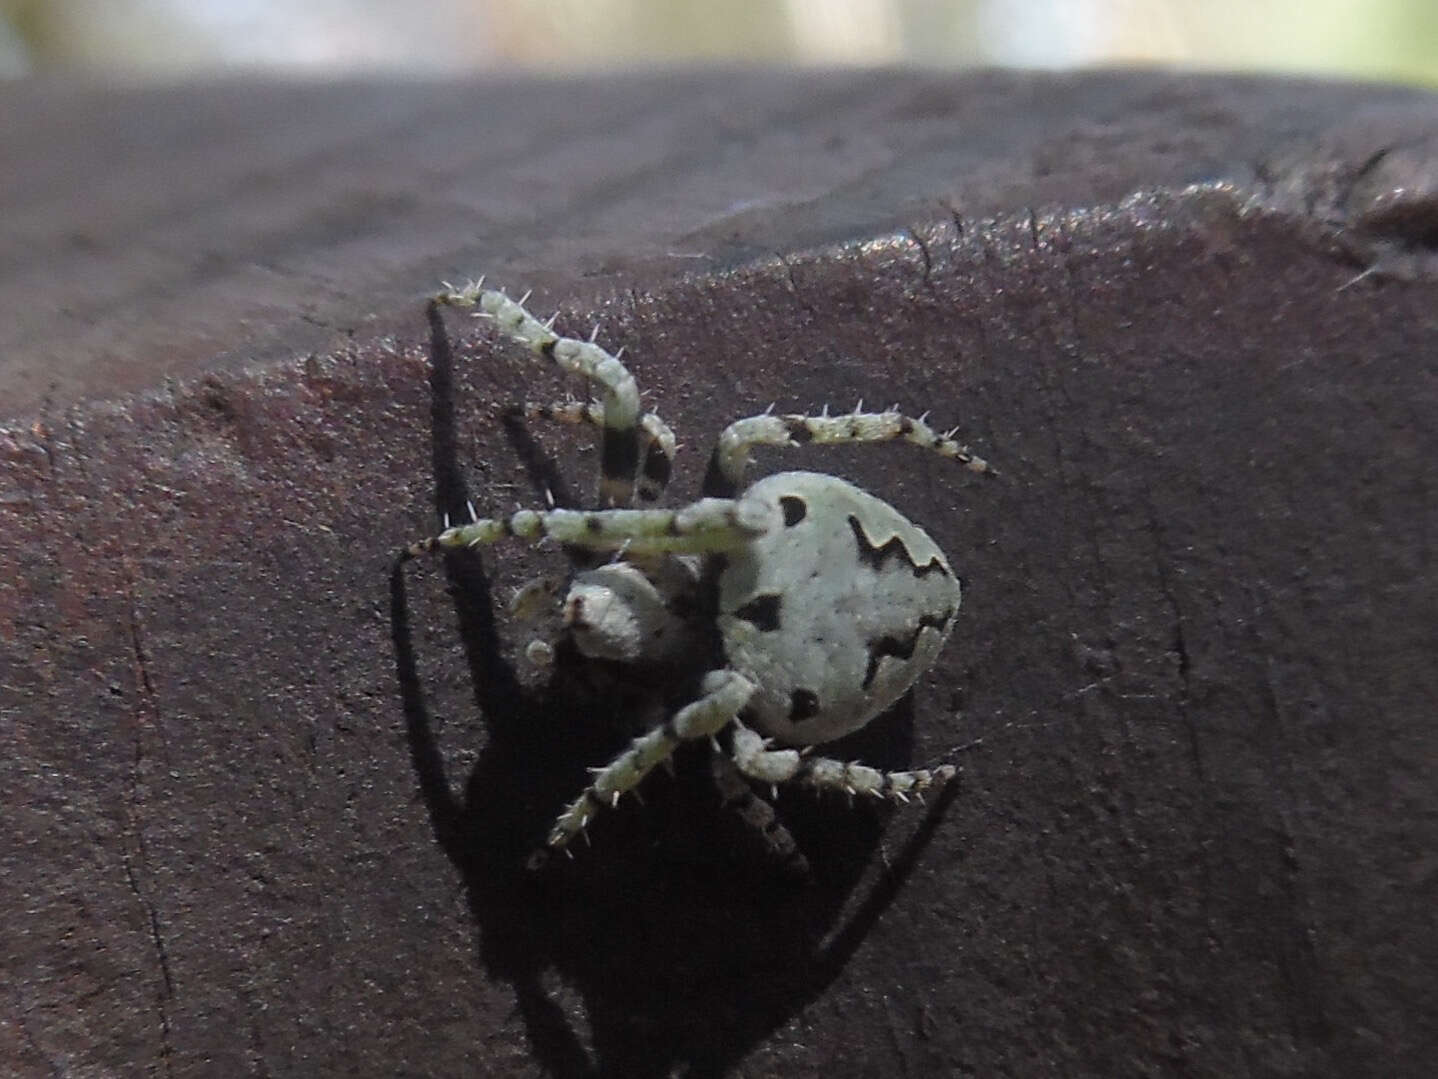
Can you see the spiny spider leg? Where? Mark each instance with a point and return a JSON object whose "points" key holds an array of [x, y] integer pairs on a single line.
{"points": [[731, 454], [737, 796], [619, 453], [711, 524], [657, 444], [535, 596], [775, 766], [725, 693]]}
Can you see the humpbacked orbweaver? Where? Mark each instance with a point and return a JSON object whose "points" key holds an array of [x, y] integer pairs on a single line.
{"points": [[802, 606]]}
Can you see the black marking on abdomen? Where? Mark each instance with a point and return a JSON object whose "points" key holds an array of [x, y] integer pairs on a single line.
{"points": [[803, 704], [893, 547], [901, 648], [795, 509], [763, 611]]}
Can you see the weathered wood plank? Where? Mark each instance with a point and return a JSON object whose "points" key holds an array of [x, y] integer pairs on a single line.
{"points": [[1198, 632]]}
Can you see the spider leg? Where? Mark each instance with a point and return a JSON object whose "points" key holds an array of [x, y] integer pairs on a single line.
{"points": [[736, 795], [766, 765], [535, 596], [619, 394], [731, 454], [725, 693], [709, 525], [657, 444]]}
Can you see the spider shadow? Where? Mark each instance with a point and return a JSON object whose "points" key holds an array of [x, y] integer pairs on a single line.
{"points": [[675, 940]]}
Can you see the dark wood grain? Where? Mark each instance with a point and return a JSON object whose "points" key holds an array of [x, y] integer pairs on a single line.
{"points": [[268, 806]]}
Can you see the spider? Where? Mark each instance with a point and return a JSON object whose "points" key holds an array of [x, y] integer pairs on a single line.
{"points": [[801, 606]]}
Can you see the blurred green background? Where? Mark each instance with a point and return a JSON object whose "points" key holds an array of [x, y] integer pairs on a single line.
{"points": [[1393, 40]]}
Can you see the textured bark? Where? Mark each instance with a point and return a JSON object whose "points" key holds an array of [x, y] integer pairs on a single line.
{"points": [[269, 806]]}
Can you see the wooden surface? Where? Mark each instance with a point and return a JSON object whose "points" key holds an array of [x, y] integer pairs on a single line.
{"points": [[268, 806]]}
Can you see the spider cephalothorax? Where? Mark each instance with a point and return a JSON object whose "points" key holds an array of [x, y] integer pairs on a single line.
{"points": [[814, 604]]}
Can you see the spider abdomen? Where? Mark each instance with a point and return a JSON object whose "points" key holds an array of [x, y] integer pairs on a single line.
{"points": [[834, 615]]}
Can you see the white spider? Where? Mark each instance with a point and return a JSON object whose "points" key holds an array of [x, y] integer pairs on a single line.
{"points": [[802, 606]]}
